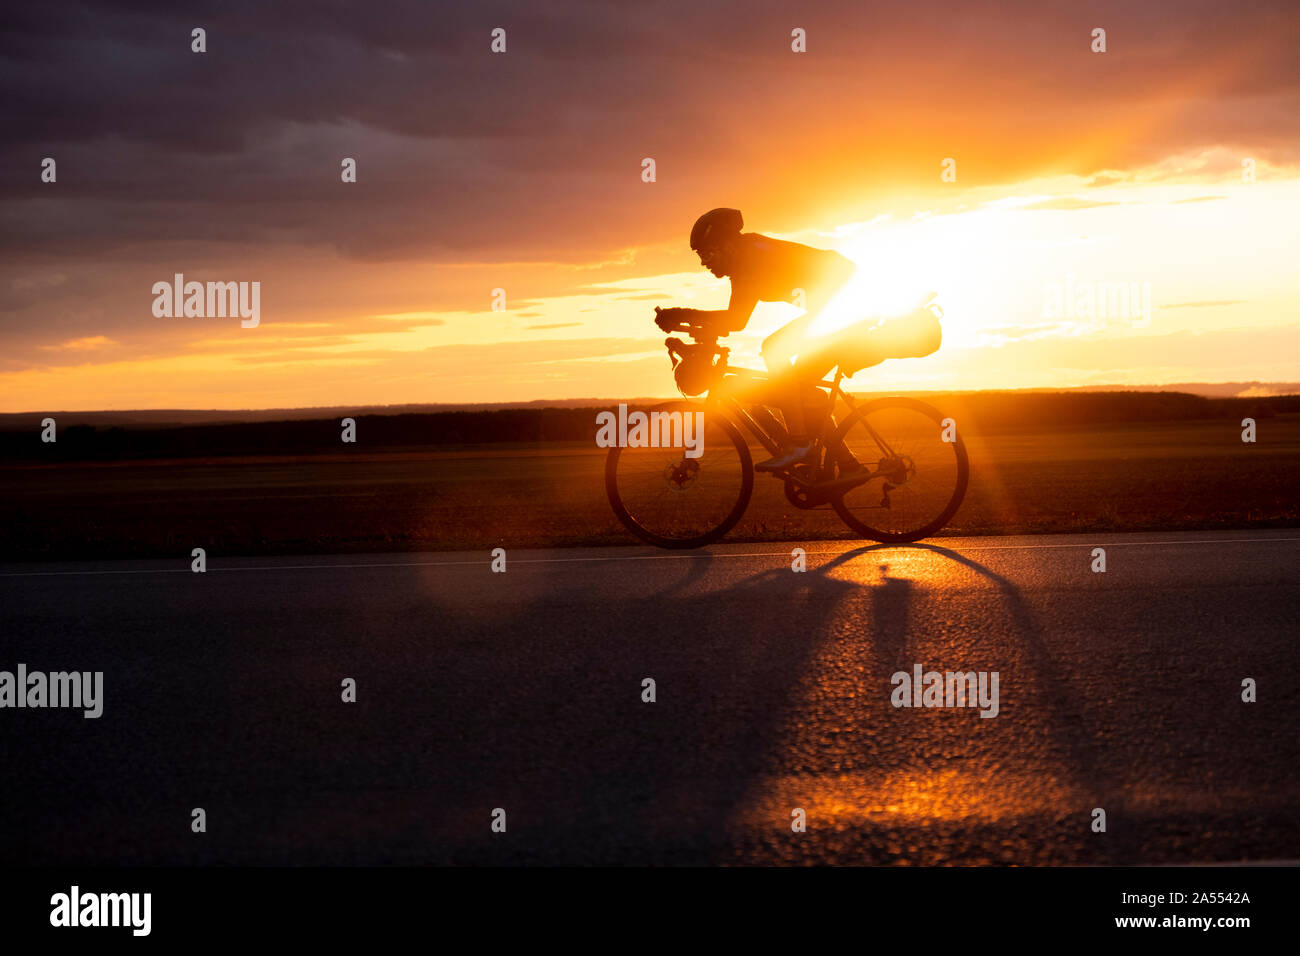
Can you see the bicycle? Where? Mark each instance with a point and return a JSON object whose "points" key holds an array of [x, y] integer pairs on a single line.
{"points": [[674, 501]]}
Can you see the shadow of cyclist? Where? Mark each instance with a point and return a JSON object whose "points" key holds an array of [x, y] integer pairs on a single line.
{"points": [[528, 692], [1083, 764], [766, 684]]}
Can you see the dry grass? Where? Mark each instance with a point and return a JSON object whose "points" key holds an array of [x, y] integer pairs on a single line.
{"points": [[1157, 475]]}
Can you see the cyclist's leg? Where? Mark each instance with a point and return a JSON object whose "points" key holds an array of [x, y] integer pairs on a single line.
{"points": [[784, 391], [779, 351], [795, 363], [809, 369], [815, 358]]}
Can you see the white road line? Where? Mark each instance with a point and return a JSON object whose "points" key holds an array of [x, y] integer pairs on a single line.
{"points": [[677, 556]]}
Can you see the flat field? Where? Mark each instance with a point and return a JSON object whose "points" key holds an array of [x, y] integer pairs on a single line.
{"points": [[1175, 475]]}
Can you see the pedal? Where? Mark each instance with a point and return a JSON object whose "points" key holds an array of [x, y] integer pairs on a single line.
{"points": [[884, 499]]}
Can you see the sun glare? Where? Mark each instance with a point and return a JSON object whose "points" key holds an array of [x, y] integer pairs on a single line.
{"points": [[902, 264]]}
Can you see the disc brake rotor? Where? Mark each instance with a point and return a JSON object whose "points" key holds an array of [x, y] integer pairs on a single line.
{"points": [[680, 475]]}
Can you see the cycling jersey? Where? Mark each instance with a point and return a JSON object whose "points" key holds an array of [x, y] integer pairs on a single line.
{"points": [[770, 270]]}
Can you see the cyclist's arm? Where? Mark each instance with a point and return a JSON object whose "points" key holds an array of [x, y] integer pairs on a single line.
{"points": [[731, 319]]}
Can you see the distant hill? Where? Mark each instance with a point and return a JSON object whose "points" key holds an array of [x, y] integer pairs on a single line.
{"points": [[175, 417], [1220, 390], [553, 422]]}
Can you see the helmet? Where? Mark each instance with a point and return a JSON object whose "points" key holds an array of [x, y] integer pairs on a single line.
{"points": [[715, 226]]}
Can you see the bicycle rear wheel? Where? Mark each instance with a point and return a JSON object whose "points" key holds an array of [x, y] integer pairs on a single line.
{"points": [[920, 481], [673, 501]]}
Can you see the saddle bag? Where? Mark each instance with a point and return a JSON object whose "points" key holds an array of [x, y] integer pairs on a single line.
{"points": [[913, 335]]}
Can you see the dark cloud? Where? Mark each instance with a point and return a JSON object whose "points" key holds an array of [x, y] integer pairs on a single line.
{"points": [[534, 154], [227, 163]]}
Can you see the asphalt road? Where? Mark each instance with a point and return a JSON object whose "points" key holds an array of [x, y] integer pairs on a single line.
{"points": [[523, 691]]}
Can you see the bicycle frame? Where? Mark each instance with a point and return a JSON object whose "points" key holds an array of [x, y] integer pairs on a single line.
{"points": [[841, 459], [728, 403]]}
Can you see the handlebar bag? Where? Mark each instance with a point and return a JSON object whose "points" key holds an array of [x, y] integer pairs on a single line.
{"points": [[698, 371]]}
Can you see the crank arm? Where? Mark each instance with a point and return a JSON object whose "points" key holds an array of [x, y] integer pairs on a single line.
{"points": [[848, 481]]}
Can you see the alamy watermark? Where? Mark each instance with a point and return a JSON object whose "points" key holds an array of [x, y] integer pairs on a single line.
{"points": [[950, 689], [76, 908], [178, 298], [651, 430], [75, 689], [1091, 299]]}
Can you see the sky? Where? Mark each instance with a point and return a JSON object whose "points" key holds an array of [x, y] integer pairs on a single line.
{"points": [[1166, 167]]}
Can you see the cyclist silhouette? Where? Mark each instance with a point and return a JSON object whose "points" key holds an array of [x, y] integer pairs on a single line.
{"points": [[763, 269]]}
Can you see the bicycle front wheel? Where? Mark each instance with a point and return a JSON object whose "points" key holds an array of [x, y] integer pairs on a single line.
{"points": [[917, 476], [672, 500]]}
